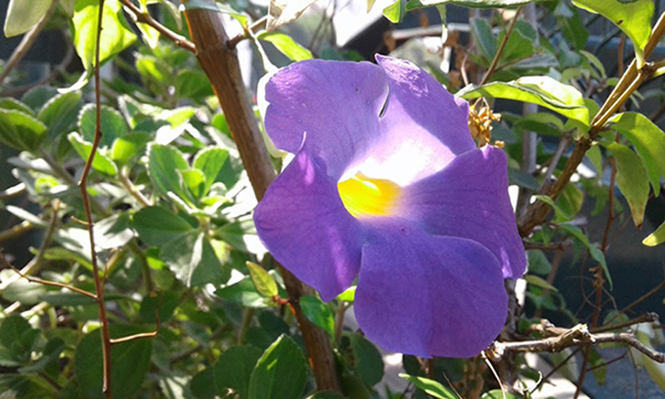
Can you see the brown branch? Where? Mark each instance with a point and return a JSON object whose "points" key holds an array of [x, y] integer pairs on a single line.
{"points": [[6, 265], [629, 82], [27, 42], [99, 289], [222, 68], [247, 33], [502, 46], [144, 17], [578, 335]]}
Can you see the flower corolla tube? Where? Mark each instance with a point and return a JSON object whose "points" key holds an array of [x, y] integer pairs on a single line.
{"points": [[387, 186]]}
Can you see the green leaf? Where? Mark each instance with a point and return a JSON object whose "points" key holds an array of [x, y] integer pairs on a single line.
{"points": [[318, 313], [158, 226], [113, 231], [60, 113], [20, 130], [561, 215], [396, 11], [232, 370], [655, 238], [211, 161], [538, 262], [633, 17], [498, 394], [129, 363], [116, 33], [280, 373], [162, 304], [348, 295], [262, 280], [243, 292], [539, 282], [469, 3], [541, 123], [286, 45], [127, 147], [594, 251], [164, 162], [241, 235], [368, 360], [193, 260], [571, 199], [112, 124], [215, 6], [632, 180], [18, 338], [540, 90], [326, 395], [194, 180], [10, 103], [482, 33], [191, 84], [101, 162], [23, 15], [649, 142], [430, 387]]}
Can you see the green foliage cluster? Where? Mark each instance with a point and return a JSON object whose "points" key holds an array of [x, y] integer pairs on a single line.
{"points": [[172, 207]]}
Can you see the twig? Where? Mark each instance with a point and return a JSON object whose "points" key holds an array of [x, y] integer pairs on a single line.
{"points": [[27, 42], [131, 189], [99, 289], [257, 25], [145, 18], [222, 68], [578, 335], [7, 265], [648, 317], [499, 51]]}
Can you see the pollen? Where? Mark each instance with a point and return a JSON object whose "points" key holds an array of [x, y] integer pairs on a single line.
{"points": [[364, 196]]}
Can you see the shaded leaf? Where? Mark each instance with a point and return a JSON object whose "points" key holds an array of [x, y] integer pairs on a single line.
{"points": [[158, 226], [193, 260], [23, 15], [280, 373], [101, 162], [430, 387], [594, 251], [20, 130], [318, 313], [632, 180], [232, 370], [368, 360]]}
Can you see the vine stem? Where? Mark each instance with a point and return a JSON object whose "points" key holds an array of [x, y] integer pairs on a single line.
{"points": [[220, 63], [499, 51], [99, 288]]}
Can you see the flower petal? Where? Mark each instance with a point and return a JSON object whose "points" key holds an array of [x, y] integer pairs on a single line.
{"points": [[337, 105], [429, 295], [423, 128], [469, 199], [303, 223]]}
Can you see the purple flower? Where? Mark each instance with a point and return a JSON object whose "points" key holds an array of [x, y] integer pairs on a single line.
{"points": [[388, 186]]}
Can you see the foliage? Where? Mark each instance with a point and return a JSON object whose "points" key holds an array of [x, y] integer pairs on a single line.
{"points": [[171, 201]]}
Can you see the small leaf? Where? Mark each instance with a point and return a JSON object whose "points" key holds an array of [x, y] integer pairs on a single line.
{"points": [[286, 45], [482, 33], [263, 281], [318, 313], [112, 124], [243, 292], [20, 130], [648, 140], [280, 373], [232, 370], [632, 180], [23, 15], [561, 215], [194, 180], [633, 17], [164, 162], [539, 282], [10, 103], [540, 90], [430, 387], [101, 162], [396, 11], [193, 260], [158, 226], [538, 262], [211, 161], [348, 295], [655, 238], [368, 360], [116, 35], [60, 113]]}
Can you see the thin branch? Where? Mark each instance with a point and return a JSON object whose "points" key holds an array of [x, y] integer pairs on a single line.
{"points": [[649, 317], [502, 46], [6, 265], [27, 42], [145, 18], [99, 289], [247, 33], [131, 189], [578, 335]]}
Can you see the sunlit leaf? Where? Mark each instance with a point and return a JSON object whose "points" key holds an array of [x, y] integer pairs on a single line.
{"points": [[101, 162], [262, 280], [287, 46], [430, 387], [655, 238], [23, 15], [631, 179]]}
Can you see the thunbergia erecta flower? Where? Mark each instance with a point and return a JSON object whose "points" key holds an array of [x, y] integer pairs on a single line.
{"points": [[388, 186]]}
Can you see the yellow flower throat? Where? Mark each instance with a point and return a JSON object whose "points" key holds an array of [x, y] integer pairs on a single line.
{"points": [[365, 196]]}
